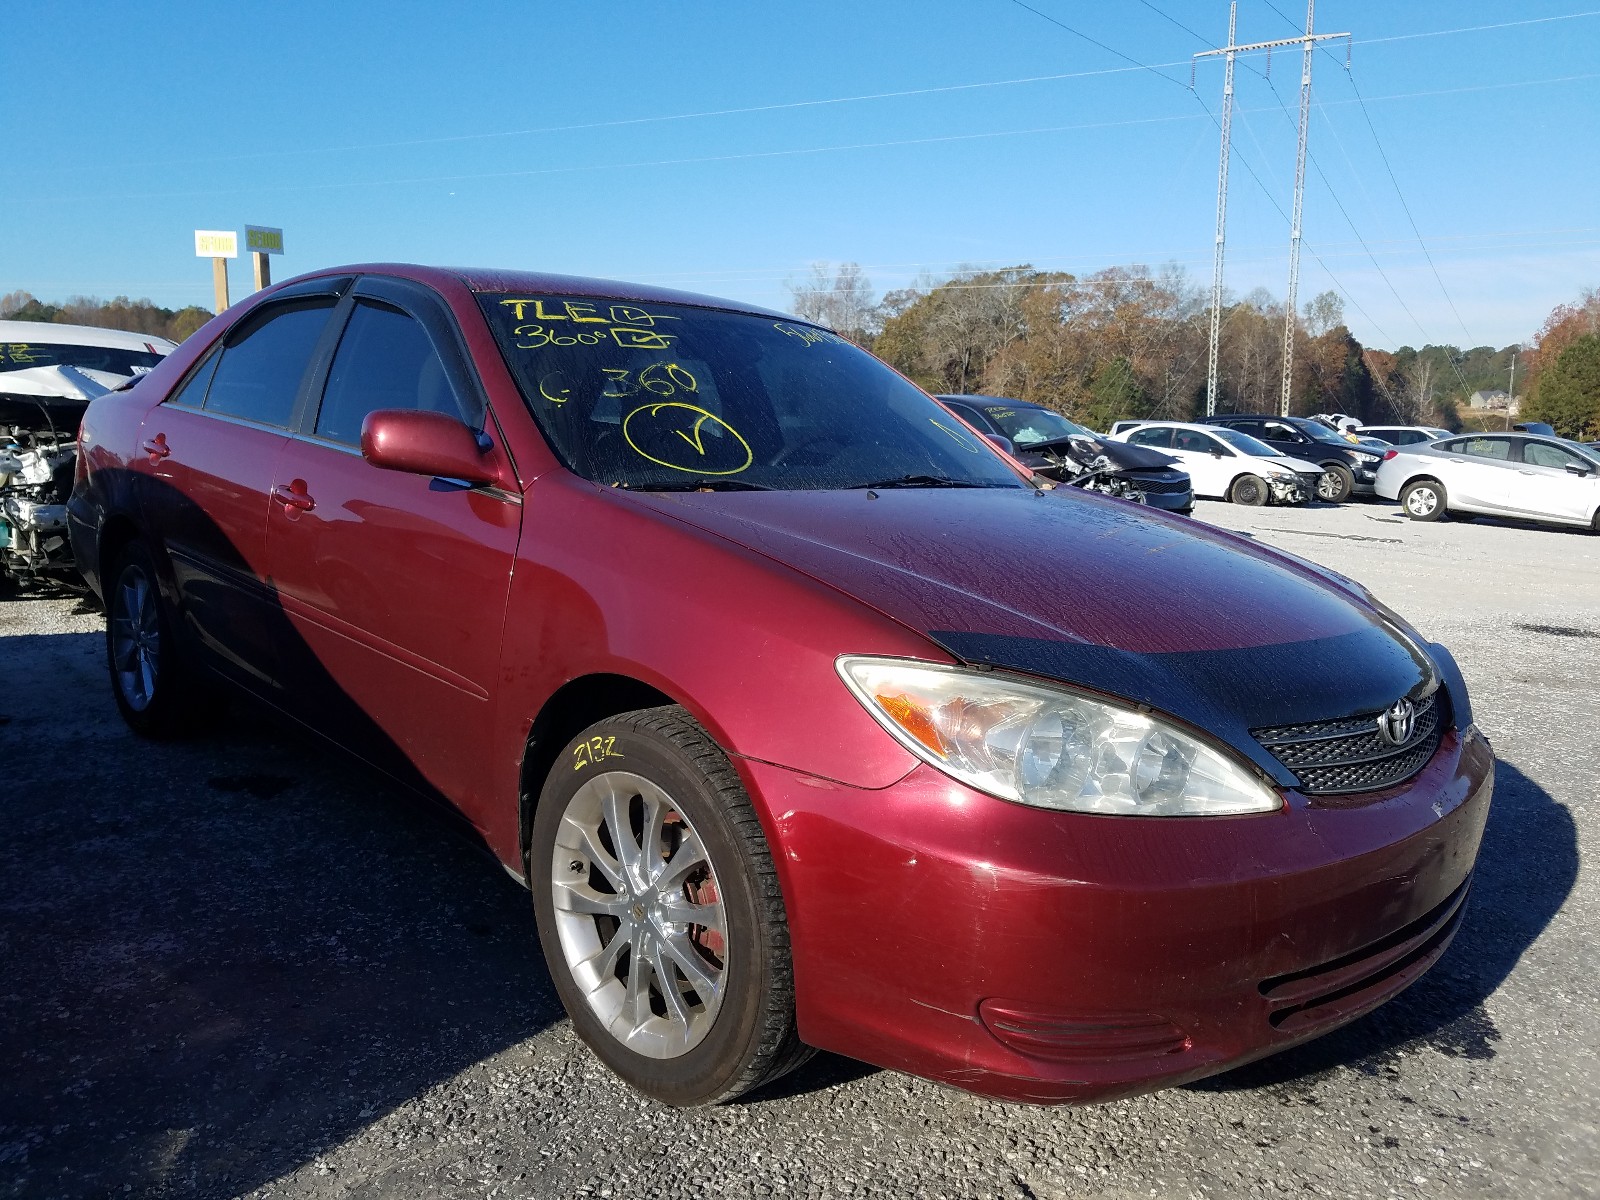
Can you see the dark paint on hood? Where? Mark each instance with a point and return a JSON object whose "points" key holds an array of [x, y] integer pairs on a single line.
{"points": [[1127, 457], [1107, 595]]}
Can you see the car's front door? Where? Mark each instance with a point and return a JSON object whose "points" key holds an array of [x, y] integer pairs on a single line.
{"points": [[208, 454], [1210, 464], [1553, 481], [395, 583]]}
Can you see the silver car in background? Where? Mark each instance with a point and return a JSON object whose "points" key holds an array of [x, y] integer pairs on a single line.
{"points": [[1518, 475]]}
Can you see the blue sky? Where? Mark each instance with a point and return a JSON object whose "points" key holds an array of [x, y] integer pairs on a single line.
{"points": [[722, 147]]}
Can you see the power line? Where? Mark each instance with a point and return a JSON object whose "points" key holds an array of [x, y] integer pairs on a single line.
{"points": [[1078, 33]]}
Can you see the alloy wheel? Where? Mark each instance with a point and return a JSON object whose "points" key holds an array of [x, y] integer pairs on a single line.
{"points": [[639, 914], [135, 638], [1421, 501]]}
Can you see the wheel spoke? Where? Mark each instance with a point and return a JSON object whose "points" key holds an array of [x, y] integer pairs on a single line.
{"points": [[695, 969], [581, 898], [639, 972], [604, 960], [689, 855], [676, 1008], [651, 864], [684, 912], [599, 855], [615, 807]]}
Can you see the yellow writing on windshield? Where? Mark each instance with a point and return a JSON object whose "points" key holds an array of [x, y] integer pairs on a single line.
{"points": [[808, 336], [555, 388], [706, 444], [963, 440]]}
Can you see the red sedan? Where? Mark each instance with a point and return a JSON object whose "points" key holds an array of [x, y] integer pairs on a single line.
{"points": [[806, 718]]}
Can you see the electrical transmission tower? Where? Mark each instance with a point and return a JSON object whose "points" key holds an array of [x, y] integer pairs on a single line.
{"points": [[1309, 40]]}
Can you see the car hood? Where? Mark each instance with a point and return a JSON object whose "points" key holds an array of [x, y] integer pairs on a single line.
{"points": [[1298, 465], [1125, 455], [1157, 610]]}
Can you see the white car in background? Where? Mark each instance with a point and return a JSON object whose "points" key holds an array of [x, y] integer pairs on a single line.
{"points": [[1401, 435], [1228, 465], [48, 375], [1521, 475]]}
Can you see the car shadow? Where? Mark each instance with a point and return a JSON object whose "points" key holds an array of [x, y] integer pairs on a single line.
{"points": [[1526, 869], [220, 958]]}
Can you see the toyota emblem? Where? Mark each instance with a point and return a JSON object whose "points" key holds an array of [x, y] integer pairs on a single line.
{"points": [[1398, 722]]}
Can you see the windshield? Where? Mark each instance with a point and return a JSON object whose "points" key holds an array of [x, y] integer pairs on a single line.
{"points": [[1246, 444], [19, 356], [1031, 426], [656, 396], [1588, 452], [1321, 433]]}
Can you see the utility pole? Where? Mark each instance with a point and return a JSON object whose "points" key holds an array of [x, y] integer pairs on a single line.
{"points": [[1309, 41], [1222, 216], [1511, 396]]}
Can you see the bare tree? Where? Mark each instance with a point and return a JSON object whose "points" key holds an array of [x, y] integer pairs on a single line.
{"points": [[839, 298]]}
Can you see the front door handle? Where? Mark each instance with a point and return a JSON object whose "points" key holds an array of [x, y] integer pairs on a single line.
{"points": [[294, 496], [156, 448]]}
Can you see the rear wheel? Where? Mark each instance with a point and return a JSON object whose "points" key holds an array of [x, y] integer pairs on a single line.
{"points": [[659, 912], [1335, 485], [157, 692], [1250, 490], [1424, 500]]}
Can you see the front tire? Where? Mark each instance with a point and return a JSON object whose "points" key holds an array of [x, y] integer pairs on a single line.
{"points": [[156, 691], [659, 912], [1250, 490], [1424, 500], [1335, 485]]}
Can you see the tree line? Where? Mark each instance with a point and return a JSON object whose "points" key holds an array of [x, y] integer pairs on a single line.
{"points": [[1131, 342], [134, 316]]}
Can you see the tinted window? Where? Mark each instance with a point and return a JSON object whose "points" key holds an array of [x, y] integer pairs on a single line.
{"points": [[672, 396], [1247, 444], [1499, 448], [1277, 431], [385, 360], [264, 361], [1150, 437], [971, 415], [1253, 428], [1541, 454], [193, 393], [1191, 439]]}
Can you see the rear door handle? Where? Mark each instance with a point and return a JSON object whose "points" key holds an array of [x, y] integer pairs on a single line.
{"points": [[156, 448], [294, 495]]}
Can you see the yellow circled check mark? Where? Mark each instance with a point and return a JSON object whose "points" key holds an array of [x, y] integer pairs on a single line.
{"points": [[695, 440]]}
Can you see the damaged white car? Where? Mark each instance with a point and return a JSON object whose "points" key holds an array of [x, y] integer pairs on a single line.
{"points": [[48, 375]]}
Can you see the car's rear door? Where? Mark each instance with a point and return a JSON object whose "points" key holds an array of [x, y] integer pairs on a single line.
{"points": [[208, 455], [1553, 481], [395, 583], [1479, 473]]}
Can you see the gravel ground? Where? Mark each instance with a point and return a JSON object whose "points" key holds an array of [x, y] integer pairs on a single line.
{"points": [[244, 966]]}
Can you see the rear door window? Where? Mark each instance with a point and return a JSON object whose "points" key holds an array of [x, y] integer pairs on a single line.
{"points": [[1496, 448], [385, 360], [1150, 437], [264, 361]]}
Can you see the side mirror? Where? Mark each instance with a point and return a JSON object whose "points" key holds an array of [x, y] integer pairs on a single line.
{"points": [[1577, 469], [1001, 443], [1216, 452], [425, 443]]}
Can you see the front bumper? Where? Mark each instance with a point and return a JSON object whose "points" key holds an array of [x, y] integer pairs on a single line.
{"points": [[1366, 480], [1060, 957]]}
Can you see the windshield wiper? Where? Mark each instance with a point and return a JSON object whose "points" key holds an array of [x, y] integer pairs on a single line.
{"points": [[919, 481], [701, 485]]}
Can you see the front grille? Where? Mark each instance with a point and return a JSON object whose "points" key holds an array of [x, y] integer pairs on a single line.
{"points": [[1164, 487], [1348, 755]]}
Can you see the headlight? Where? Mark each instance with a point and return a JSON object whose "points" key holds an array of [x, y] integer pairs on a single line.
{"points": [[1279, 473], [1369, 459], [1049, 747]]}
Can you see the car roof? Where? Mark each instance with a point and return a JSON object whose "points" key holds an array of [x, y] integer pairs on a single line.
{"points": [[490, 279], [46, 333], [1194, 425], [1258, 417]]}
